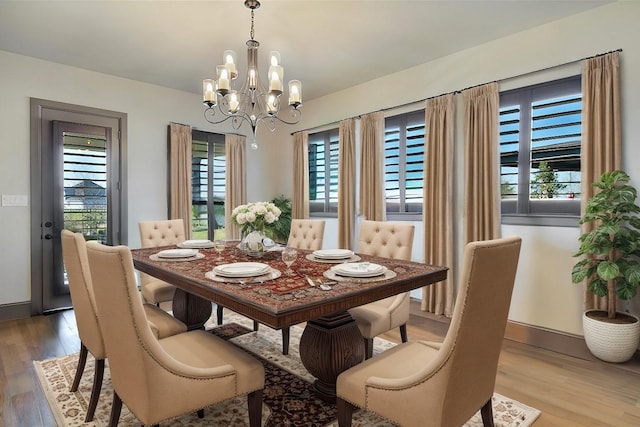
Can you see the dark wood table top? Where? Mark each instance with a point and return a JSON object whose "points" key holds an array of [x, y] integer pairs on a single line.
{"points": [[289, 299]]}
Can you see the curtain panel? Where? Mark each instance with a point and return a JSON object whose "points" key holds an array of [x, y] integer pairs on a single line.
{"points": [[438, 200], [482, 158], [372, 192], [601, 134], [236, 181], [300, 199], [346, 183], [180, 175]]}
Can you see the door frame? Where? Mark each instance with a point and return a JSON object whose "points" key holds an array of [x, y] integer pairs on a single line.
{"points": [[43, 112]]}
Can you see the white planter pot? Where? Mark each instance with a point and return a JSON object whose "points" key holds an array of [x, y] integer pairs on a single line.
{"points": [[611, 342]]}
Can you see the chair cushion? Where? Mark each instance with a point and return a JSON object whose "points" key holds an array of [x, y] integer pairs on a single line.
{"points": [[162, 323], [381, 316], [201, 349], [394, 365], [155, 291]]}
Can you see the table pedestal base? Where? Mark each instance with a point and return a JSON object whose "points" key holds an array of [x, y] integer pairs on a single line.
{"points": [[330, 345], [191, 309]]}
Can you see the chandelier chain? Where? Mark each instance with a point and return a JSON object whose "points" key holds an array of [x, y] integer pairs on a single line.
{"points": [[252, 32]]}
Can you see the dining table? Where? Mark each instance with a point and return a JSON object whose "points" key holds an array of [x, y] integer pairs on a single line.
{"points": [[331, 341]]}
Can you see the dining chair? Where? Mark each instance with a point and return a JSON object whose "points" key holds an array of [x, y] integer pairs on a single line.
{"points": [[74, 254], [304, 234], [389, 240], [444, 384], [159, 379], [154, 234]]}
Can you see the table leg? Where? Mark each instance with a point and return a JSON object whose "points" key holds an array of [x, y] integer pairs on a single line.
{"points": [[191, 309], [330, 345]]}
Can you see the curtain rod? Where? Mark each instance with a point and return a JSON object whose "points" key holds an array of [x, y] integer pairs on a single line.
{"points": [[467, 88]]}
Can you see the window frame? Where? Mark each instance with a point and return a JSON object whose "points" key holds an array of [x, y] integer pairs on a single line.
{"points": [[523, 210], [326, 139], [403, 122]]}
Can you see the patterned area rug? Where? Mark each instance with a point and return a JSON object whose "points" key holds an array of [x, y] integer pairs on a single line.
{"points": [[288, 399]]}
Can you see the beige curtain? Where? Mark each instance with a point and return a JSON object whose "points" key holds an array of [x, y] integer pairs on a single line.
{"points": [[300, 198], [482, 178], [236, 181], [438, 200], [601, 147], [372, 195], [180, 174], [346, 183]]}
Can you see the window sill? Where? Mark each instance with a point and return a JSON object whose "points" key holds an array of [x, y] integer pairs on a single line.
{"points": [[541, 220]]}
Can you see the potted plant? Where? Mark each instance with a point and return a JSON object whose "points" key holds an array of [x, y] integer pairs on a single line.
{"points": [[611, 266]]}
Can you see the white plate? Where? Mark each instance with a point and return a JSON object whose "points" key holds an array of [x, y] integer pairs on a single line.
{"points": [[358, 269], [333, 253], [177, 253], [241, 269], [194, 244]]}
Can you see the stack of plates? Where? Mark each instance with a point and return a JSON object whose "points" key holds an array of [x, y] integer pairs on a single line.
{"points": [[242, 269], [359, 269], [196, 244], [333, 254], [177, 253]]}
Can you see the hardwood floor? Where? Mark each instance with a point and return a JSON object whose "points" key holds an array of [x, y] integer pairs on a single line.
{"points": [[568, 391]]}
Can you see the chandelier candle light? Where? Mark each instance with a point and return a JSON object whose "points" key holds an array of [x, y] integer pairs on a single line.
{"points": [[251, 103]]}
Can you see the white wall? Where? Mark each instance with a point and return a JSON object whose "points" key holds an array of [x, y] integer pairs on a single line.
{"points": [[544, 295]]}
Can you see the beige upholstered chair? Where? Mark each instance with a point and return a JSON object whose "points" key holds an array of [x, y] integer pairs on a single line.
{"points": [[74, 253], [306, 234], [390, 240], [154, 234], [161, 379], [431, 384]]}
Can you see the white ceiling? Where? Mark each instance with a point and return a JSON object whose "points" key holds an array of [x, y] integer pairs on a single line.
{"points": [[328, 45]]}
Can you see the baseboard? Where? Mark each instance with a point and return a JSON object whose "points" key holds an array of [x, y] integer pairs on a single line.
{"points": [[571, 345], [564, 343], [15, 311]]}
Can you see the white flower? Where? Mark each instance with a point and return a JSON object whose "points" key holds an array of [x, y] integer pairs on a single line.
{"points": [[260, 212], [269, 217]]}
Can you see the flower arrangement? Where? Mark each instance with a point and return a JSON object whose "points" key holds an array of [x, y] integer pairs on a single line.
{"points": [[255, 216]]}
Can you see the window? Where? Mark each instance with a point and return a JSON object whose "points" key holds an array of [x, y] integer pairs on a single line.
{"points": [[323, 172], [404, 163], [540, 142], [208, 172]]}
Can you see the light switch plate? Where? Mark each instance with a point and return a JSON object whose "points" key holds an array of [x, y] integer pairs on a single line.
{"points": [[15, 200]]}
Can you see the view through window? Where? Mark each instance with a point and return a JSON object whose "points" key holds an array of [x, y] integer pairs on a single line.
{"points": [[208, 174], [540, 143]]}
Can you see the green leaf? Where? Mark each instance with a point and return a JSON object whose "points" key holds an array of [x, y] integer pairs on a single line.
{"points": [[608, 270]]}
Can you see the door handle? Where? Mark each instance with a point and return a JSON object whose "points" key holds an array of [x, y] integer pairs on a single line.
{"points": [[48, 236]]}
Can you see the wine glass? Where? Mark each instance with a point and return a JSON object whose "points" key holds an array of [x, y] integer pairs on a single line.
{"points": [[219, 246], [289, 256]]}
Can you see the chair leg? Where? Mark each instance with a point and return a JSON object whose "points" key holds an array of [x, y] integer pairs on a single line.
{"points": [[403, 332], [219, 314], [345, 412], [285, 341], [254, 402], [368, 348], [116, 408], [487, 414], [200, 413], [95, 391], [255, 325], [82, 360]]}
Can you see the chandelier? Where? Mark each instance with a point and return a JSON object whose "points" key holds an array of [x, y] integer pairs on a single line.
{"points": [[252, 103]]}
